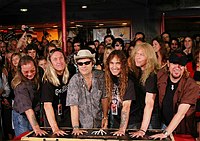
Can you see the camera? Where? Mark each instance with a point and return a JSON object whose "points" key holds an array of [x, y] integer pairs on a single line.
{"points": [[26, 28]]}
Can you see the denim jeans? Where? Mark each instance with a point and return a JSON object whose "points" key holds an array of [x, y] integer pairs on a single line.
{"points": [[21, 123]]}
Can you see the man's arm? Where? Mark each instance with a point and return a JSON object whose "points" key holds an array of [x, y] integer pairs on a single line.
{"points": [[149, 104], [75, 120], [124, 118], [104, 103], [182, 110], [32, 119], [51, 116], [125, 114], [74, 116]]}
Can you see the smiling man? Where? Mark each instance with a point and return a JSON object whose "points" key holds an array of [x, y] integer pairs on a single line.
{"points": [[86, 95], [177, 97]]}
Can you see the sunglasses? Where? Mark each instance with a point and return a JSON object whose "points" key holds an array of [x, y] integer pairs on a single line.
{"points": [[81, 63], [117, 45]]}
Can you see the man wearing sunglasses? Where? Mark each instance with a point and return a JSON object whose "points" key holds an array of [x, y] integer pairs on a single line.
{"points": [[86, 95]]}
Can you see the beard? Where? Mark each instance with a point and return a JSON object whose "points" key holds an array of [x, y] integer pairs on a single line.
{"points": [[176, 76]]}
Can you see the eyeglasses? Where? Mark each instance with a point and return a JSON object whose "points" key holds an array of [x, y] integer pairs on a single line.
{"points": [[81, 63]]}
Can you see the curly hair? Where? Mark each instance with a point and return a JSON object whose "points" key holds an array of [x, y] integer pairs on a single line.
{"points": [[151, 64], [123, 77]]}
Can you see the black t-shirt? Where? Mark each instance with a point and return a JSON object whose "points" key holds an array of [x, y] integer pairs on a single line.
{"points": [[56, 95], [136, 110], [167, 105], [150, 86], [129, 95]]}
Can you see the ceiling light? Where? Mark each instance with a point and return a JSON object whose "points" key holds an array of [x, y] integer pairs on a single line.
{"points": [[84, 6], [10, 28], [71, 22], [55, 26], [101, 24], [23, 10], [124, 23], [32, 27]]}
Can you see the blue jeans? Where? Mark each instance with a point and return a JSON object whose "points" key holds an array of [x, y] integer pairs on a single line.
{"points": [[21, 123]]}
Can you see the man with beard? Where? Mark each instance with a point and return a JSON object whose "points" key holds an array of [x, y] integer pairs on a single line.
{"points": [[177, 97]]}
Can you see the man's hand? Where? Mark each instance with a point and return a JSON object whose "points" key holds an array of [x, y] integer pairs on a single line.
{"points": [[59, 132], [158, 136], [77, 131], [120, 132], [40, 132], [137, 134]]}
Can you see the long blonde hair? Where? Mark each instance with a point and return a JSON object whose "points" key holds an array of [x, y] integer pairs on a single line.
{"points": [[50, 74], [123, 78], [151, 63]]}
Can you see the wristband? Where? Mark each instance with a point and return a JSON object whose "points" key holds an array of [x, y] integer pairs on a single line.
{"points": [[142, 130], [165, 133], [75, 127]]}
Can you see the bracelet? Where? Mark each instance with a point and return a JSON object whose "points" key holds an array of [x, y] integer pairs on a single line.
{"points": [[142, 130], [75, 127]]}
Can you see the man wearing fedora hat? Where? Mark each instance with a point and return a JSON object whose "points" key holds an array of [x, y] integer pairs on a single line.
{"points": [[86, 95], [178, 94]]}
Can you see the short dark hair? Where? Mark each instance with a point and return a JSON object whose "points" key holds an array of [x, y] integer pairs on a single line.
{"points": [[31, 46]]}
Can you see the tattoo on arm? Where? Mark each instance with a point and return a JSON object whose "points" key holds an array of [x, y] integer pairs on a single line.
{"points": [[123, 119], [34, 120]]}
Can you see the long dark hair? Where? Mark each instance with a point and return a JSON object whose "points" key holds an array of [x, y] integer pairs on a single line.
{"points": [[19, 77], [123, 78]]}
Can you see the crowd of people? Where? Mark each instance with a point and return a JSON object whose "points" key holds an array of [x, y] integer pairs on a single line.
{"points": [[110, 84]]}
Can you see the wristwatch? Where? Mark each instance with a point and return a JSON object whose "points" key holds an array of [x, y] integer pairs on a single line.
{"points": [[165, 133]]}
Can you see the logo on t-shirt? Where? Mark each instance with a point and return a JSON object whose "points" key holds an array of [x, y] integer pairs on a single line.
{"points": [[61, 90]]}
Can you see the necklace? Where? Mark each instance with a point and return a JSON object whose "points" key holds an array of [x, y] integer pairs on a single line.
{"points": [[172, 87]]}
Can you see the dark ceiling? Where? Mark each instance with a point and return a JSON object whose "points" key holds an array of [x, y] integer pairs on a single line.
{"points": [[44, 13]]}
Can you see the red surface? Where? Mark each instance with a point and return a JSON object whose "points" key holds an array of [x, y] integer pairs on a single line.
{"points": [[182, 137], [21, 135]]}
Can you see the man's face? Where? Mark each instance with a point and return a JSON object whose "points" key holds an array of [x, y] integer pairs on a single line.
{"points": [[77, 47], [28, 70], [58, 62], [108, 41], [139, 36], [2, 47], [176, 71], [32, 53], [85, 66], [165, 37], [115, 66], [140, 59]]}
